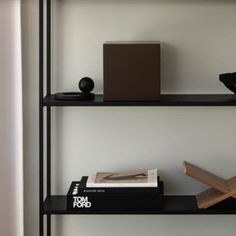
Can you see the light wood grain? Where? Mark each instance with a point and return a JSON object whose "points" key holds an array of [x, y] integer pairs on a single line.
{"points": [[220, 189], [211, 196], [206, 177]]}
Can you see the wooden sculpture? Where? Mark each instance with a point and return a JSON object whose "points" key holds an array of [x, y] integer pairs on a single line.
{"points": [[220, 189]]}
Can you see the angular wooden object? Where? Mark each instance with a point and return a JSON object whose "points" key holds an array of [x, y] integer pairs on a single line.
{"points": [[220, 189]]}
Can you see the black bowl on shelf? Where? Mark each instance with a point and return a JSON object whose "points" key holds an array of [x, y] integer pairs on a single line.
{"points": [[74, 96], [229, 80]]}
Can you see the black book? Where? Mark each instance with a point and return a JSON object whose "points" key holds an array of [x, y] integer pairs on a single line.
{"points": [[80, 188], [102, 201]]}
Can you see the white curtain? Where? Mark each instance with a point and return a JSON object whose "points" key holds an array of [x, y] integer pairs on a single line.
{"points": [[11, 139]]}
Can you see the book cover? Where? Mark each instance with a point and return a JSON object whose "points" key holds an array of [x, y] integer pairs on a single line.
{"points": [[147, 178]]}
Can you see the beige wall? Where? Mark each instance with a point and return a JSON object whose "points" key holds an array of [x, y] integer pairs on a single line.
{"points": [[198, 43], [29, 9]]}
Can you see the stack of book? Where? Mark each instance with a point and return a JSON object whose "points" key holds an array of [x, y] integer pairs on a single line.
{"points": [[141, 190]]}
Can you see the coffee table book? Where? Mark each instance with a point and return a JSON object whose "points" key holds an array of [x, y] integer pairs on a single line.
{"points": [[82, 198], [144, 178]]}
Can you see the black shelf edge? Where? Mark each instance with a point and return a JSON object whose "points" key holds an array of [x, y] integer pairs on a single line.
{"points": [[173, 205], [166, 100]]}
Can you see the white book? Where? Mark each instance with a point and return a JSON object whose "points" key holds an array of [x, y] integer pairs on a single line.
{"points": [[147, 178]]}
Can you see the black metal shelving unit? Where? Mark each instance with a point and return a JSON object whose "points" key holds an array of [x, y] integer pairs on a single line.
{"points": [[54, 205]]}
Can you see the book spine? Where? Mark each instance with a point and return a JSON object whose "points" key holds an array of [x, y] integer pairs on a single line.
{"points": [[75, 190], [114, 203], [122, 191], [113, 192]]}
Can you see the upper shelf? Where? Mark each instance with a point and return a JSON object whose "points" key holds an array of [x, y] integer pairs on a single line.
{"points": [[166, 100]]}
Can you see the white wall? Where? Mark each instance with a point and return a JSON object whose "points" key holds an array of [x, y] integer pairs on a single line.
{"points": [[198, 43]]}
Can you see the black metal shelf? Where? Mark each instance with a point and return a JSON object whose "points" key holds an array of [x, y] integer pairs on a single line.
{"points": [[166, 100], [57, 204], [173, 205]]}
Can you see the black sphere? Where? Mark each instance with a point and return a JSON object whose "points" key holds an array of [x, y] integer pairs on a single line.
{"points": [[86, 85]]}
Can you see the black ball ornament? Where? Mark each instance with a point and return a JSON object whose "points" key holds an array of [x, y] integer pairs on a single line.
{"points": [[86, 85]]}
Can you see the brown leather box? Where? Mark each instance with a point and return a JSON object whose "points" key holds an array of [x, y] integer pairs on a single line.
{"points": [[131, 71]]}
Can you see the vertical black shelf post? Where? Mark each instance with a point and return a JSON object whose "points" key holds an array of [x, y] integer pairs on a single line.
{"points": [[41, 115], [48, 110]]}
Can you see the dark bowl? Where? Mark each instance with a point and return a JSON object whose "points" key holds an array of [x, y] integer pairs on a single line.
{"points": [[229, 80]]}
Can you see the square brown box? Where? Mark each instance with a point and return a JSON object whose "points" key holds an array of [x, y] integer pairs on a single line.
{"points": [[131, 71]]}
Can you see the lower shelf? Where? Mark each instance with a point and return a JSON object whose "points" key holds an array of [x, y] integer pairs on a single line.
{"points": [[56, 205]]}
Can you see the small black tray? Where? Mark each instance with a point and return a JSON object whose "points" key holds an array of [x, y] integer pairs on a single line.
{"points": [[74, 96]]}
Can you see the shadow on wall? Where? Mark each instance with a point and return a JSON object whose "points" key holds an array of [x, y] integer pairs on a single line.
{"points": [[169, 59]]}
